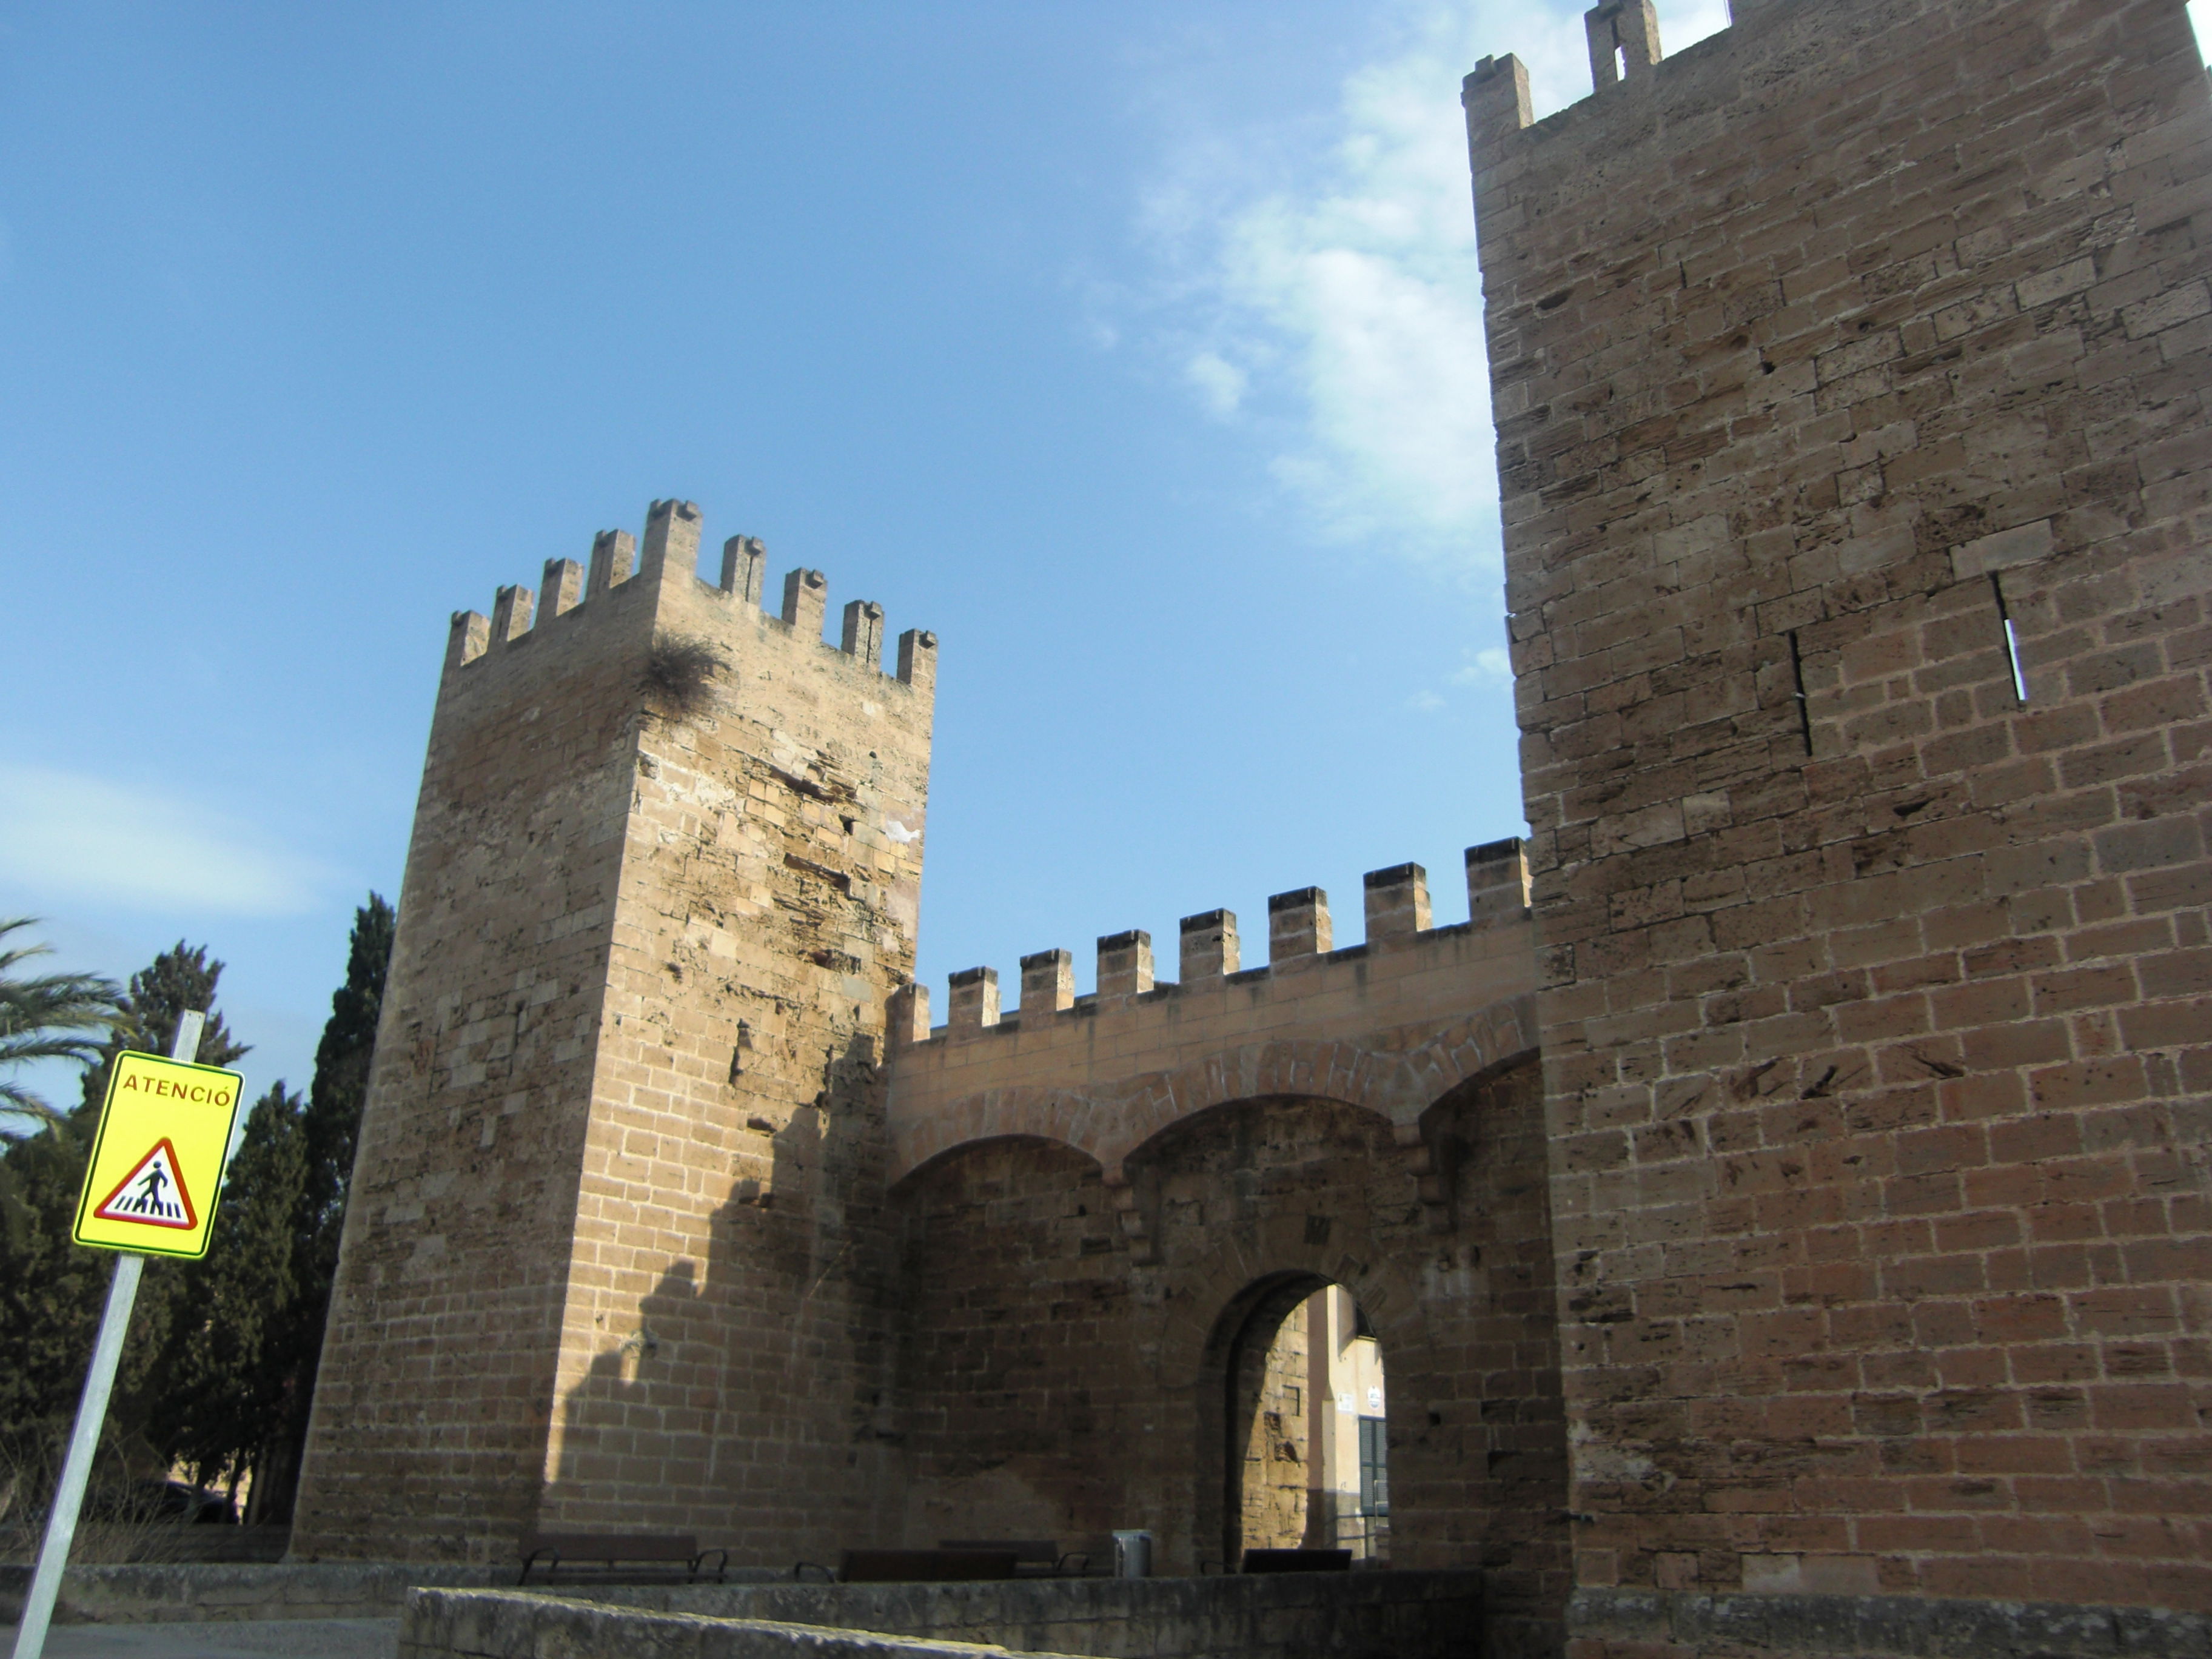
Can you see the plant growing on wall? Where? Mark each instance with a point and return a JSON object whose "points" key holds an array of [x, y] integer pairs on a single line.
{"points": [[677, 672]]}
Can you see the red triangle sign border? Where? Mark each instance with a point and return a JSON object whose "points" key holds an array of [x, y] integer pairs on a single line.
{"points": [[161, 1149]]}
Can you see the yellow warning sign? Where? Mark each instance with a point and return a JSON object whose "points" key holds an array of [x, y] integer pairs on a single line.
{"points": [[157, 1163]]}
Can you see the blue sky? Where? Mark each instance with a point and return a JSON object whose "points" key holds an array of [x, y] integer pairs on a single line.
{"points": [[1133, 348]]}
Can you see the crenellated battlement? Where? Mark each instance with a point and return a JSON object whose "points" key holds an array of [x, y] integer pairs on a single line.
{"points": [[1300, 936], [1786, 1230], [623, 569], [1625, 58], [1822, 354], [665, 873], [1412, 1010]]}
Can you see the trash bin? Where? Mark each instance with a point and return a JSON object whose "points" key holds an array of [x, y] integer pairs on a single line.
{"points": [[1133, 1555]]}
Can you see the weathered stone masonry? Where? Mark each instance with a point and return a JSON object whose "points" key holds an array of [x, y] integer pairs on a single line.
{"points": [[1102, 1196], [625, 1121], [798, 1301], [1789, 1235], [1875, 1035]]}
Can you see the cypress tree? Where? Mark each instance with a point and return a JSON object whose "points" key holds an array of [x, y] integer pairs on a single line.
{"points": [[332, 1119], [329, 1128], [180, 978], [216, 1389]]}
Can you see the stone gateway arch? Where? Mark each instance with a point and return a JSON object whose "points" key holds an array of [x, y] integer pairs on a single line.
{"points": [[1781, 1200]]}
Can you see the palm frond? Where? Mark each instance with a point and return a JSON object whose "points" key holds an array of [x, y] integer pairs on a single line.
{"points": [[14, 1097], [78, 1002], [42, 1015], [74, 1002], [31, 1046]]}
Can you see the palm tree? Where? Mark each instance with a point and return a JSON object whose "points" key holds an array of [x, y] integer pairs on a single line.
{"points": [[41, 1017]]}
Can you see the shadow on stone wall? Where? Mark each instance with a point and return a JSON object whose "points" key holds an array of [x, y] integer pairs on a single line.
{"points": [[745, 1398], [1051, 1382], [985, 1355]]}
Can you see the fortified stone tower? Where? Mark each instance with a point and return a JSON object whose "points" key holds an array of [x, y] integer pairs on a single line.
{"points": [[1850, 374], [612, 1257]]}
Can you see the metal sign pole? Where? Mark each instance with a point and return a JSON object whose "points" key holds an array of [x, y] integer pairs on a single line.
{"points": [[91, 1412]]}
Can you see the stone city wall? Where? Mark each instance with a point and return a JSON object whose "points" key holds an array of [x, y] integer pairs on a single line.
{"points": [[1061, 1375], [1397, 1615], [1849, 375], [1389, 1024], [1104, 1200], [195, 1592], [614, 1256]]}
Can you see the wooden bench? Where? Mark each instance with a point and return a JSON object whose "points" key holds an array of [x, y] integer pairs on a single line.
{"points": [[1298, 1561], [1034, 1558], [621, 1557], [925, 1566]]}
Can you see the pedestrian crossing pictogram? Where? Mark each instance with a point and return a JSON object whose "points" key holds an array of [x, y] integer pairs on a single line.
{"points": [[154, 1193], [154, 1179]]}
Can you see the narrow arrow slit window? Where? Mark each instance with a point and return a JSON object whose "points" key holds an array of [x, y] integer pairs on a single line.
{"points": [[2011, 641], [1797, 679]]}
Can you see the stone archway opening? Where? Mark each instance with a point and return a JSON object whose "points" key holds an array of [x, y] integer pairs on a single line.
{"points": [[1306, 1454]]}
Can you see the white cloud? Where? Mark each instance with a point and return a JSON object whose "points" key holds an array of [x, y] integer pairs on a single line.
{"points": [[64, 833], [1220, 383], [1486, 670], [1481, 667], [1346, 292]]}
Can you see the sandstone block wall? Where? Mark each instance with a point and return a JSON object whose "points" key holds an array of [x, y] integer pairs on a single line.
{"points": [[1271, 1382], [1105, 1201], [646, 1237], [437, 1380], [1061, 1375], [1399, 1615], [615, 1255], [1835, 361], [1389, 1024]]}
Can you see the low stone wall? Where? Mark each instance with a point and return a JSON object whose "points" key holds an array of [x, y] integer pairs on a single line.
{"points": [[1363, 1615], [264, 1545], [1607, 1624], [185, 1591], [166, 1542], [483, 1624]]}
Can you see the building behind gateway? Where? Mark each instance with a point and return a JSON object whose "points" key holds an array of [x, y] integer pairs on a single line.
{"points": [[1788, 1182]]}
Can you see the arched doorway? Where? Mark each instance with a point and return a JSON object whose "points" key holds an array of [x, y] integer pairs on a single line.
{"points": [[1306, 1455]]}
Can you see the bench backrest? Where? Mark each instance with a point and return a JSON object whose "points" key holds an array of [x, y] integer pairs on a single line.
{"points": [[923, 1566], [1025, 1549], [613, 1546]]}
